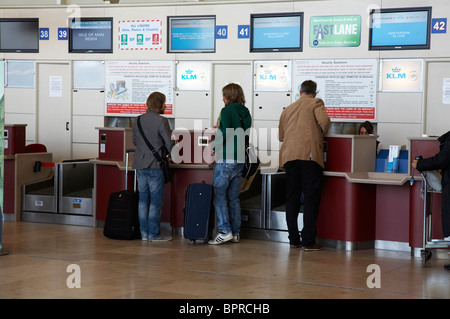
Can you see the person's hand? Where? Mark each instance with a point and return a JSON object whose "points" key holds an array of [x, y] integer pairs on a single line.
{"points": [[414, 163]]}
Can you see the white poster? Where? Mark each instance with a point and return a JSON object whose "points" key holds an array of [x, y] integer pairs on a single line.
{"points": [[446, 91], [55, 86], [129, 83], [140, 35], [401, 76], [272, 76], [194, 76], [347, 87]]}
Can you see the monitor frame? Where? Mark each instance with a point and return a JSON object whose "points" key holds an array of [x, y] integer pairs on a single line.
{"points": [[70, 38], [276, 15], [36, 50], [425, 46], [194, 17]]}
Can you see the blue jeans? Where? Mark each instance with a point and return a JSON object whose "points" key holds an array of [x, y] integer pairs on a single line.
{"points": [[226, 181], [151, 194]]}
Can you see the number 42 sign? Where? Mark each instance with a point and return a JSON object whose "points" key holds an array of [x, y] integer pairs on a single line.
{"points": [[439, 25]]}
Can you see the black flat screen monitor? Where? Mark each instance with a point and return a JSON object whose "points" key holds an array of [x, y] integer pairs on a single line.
{"points": [[90, 35], [19, 35], [400, 29], [276, 32], [192, 34]]}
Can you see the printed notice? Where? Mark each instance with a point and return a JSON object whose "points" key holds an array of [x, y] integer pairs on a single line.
{"points": [[446, 91], [347, 87], [140, 35], [55, 86], [129, 83]]}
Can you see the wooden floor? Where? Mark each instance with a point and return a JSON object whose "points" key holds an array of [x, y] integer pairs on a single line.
{"points": [[41, 253]]}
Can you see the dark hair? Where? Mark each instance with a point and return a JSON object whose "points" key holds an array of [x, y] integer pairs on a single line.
{"points": [[308, 87], [233, 93], [155, 101], [368, 126]]}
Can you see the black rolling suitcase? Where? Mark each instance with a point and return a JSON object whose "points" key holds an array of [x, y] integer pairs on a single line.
{"points": [[198, 212], [122, 218]]}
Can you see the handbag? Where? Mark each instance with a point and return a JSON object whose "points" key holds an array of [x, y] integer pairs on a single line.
{"points": [[252, 161], [163, 160]]}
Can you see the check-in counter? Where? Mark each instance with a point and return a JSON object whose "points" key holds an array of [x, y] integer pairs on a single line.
{"points": [[188, 166]]}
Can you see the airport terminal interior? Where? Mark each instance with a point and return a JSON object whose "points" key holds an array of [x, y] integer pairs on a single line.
{"points": [[76, 74]]}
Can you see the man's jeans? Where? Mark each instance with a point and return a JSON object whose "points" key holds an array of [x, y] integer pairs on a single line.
{"points": [[151, 190], [226, 181]]}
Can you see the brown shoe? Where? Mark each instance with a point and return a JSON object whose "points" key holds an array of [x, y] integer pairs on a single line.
{"points": [[313, 247]]}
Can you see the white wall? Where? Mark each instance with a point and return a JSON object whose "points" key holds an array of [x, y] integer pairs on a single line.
{"points": [[399, 115]]}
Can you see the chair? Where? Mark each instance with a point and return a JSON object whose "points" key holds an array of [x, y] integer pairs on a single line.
{"points": [[35, 148]]}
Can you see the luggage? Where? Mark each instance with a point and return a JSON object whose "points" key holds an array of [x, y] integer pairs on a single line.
{"points": [[122, 217], [198, 212]]}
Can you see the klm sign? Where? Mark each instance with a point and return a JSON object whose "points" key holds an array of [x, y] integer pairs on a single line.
{"points": [[189, 75], [267, 75], [396, 74]]}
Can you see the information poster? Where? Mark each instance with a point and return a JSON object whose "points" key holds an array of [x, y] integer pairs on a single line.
{"points": [[347, 87], [129, 83], [140, 35], [194, 75], [335, 31], [272, 76], [401, 76]]}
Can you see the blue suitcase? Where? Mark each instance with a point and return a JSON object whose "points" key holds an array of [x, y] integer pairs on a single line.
{"points": [[198, 212]]}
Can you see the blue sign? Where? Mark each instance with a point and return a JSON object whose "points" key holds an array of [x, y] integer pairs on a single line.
{"points": [[221, 31], [243, 31], [439, 25], [44, 34], [63, 34]]}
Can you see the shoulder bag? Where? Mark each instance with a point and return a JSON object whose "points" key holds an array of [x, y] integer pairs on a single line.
{"points": [[252, 161], [164, 160]]}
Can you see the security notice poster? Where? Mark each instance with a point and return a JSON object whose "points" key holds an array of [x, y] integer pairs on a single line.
{"points": [[129, 83], [347, 87], [140, 35]]}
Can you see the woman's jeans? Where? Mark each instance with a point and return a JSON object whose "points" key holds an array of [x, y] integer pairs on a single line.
{"points": [[151, 194], [226, 181]]}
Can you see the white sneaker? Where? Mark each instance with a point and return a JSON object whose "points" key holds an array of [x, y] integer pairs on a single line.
{"points": [[447, 238], [236, 238], [220, 239], [160, 238]]}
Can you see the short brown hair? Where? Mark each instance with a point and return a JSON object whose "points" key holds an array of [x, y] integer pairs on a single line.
{"points": [[309, 87], [156, 101], [233, 93]]}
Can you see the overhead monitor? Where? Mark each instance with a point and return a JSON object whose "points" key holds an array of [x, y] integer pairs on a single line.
{"points": [[19, 35], [276, 32], [191, 34], [400, 29], [90, 35]]}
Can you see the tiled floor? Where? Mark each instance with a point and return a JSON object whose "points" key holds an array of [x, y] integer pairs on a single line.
{"points": [[41, 254]]}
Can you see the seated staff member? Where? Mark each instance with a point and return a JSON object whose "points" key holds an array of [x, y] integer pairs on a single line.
{"points": [[366, 128], [440, 161]]}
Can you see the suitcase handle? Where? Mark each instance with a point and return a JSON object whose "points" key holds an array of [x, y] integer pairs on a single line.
{"points": [[129, 150]]}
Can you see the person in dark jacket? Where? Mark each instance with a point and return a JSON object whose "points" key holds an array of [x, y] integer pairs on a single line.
{"points": [[440, 161], [148, 171]]}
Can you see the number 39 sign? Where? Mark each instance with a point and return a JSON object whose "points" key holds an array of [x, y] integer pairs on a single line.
{"points": [[63, 34]]}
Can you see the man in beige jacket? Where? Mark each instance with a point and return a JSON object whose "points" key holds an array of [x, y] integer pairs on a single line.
{"points": [[302, 127]]}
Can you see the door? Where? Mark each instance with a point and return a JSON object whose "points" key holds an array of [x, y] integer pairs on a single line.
{"points": [[54, 109], [224, 73], [437, 112]]}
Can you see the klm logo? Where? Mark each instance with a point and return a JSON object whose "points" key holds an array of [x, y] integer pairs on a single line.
{"points": [[268, 75], [396, 74], [189, 75]]}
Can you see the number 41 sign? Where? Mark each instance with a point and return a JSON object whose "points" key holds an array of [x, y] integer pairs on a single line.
{"points": [[439, 25]]}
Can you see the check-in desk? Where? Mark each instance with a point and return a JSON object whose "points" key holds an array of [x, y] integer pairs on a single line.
{"points": [[189, 165]]}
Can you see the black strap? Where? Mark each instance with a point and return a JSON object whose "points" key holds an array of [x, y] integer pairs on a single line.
{"points": [[246, 137], [150, 146]]}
